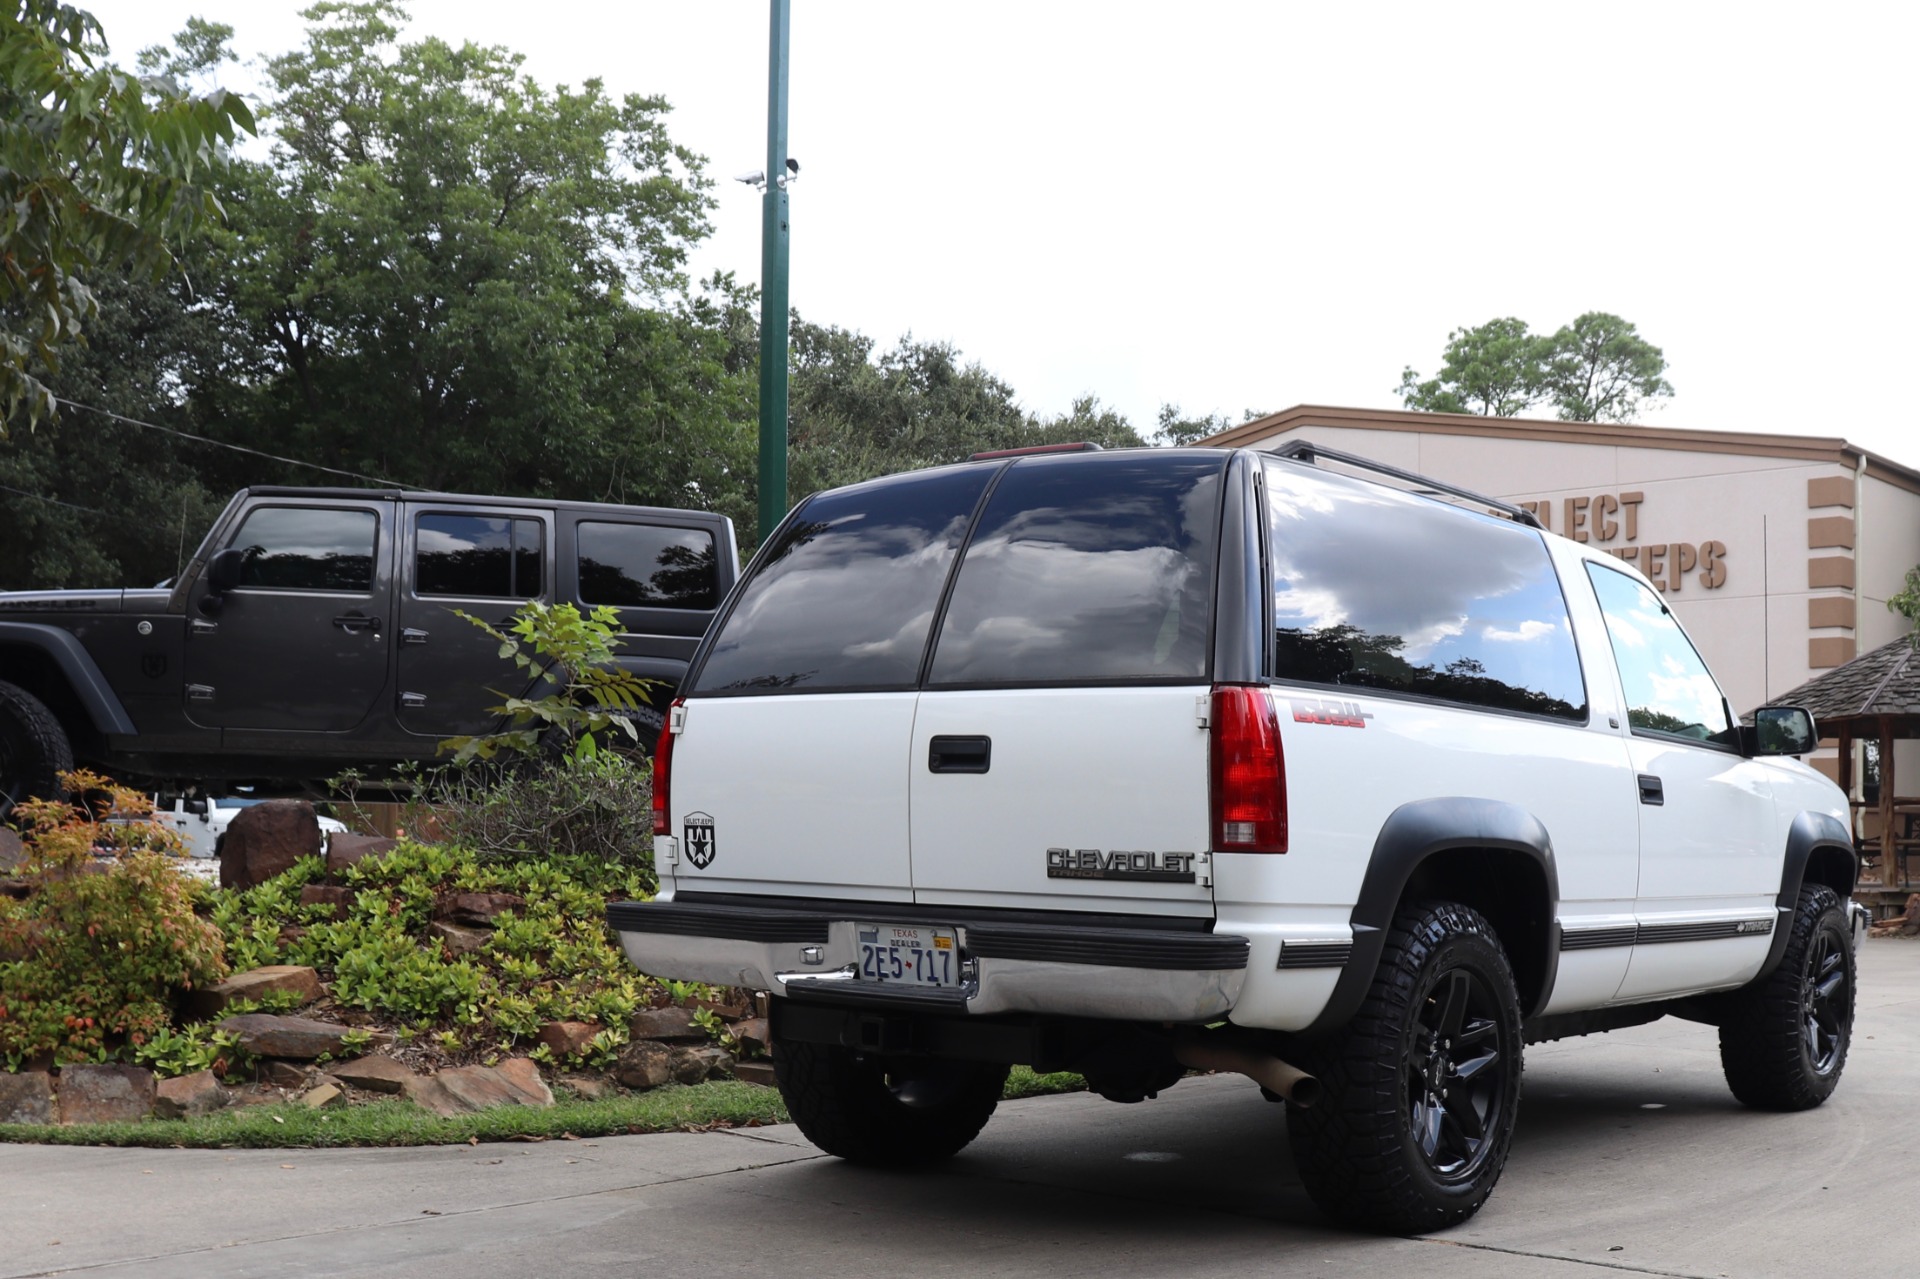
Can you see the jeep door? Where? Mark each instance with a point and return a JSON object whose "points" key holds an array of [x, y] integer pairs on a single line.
{"points": [[1709, 864], [301, 645], [1059, 756], [482, 561]]}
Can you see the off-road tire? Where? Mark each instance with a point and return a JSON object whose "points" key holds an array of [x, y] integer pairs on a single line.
{"points": [[34, 749], [1784, 1039], [1442, 1014], [885, 1112]]}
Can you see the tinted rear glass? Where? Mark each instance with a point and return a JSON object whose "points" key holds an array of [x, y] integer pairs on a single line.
{"points": [[477, 556], [845, 597], [1086, 569], [1379, 589], [646, 565]]}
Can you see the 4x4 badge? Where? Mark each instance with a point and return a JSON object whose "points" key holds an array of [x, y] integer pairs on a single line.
{"points": [[699, 840]]}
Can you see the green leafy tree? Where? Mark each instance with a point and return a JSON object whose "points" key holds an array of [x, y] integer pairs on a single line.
{"points": [[100, 171], [1596, 369], [1906, 602], [1176, 429]]}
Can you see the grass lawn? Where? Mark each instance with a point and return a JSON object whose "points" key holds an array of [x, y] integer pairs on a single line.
{"points": [[718, 1104]]}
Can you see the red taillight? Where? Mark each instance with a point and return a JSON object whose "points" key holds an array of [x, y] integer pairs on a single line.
{"points": [[662, 765], [1249, 773]]}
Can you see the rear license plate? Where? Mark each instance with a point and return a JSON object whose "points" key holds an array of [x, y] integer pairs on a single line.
{"points": [[908, 955]]}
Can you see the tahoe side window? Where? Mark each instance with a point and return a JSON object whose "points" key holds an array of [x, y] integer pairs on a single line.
{"points": [[1088, 570], [307, 549], [844, 596], [1374, 588], [1670, 692], [477, 557], [647, 566]]}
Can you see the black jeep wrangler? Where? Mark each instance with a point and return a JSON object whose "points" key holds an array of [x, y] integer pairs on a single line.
{"points": [[314, 630]]}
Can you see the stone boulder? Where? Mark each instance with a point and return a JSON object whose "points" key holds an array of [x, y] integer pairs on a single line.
{"points": [[477, 910], [644, 1064], [753, 1034], [695, 1065], [323, 1094], [188, 1095], [26, 1098], [755, 1072], [13, 852], [266, 1035], [290, 1075], [565, 1038], [466, 1089], [105, 1094], [349, 850], [266, 840], [255, 983], [523, 1076], [339, 900], [458, 938], [373, 1074], [664, 1023]]}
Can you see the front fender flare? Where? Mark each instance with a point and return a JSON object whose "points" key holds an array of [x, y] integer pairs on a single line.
{"points": [[77, 665]]}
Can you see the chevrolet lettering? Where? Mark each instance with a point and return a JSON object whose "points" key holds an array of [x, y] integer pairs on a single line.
{"points": [[1092, 863]]}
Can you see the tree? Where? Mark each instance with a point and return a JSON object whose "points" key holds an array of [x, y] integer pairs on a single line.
{"points": [[1176, 430], [1597, 369], [1906, 602], [99, 172]]}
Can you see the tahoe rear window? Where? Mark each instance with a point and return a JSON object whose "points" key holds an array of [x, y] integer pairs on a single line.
{"points": [[1374, 588]]}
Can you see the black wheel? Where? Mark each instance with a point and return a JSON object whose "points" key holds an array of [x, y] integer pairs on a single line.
{"points": [[33, 749], [1422, 1086], [888, 1112], [1784, 1039]]}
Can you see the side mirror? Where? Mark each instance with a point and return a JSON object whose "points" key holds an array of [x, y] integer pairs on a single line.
{"points": [[226, 570], [1784, 730]]}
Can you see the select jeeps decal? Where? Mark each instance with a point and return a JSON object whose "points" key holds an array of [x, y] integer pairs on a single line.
{"points": [[1325, 710], [699, 840], [1141, 865]]}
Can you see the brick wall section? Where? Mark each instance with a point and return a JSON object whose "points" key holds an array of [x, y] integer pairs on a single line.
{"points": [[1838, 612]]}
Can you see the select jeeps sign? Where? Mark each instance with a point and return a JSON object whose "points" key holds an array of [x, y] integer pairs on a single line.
{"points": [[698, 841]]}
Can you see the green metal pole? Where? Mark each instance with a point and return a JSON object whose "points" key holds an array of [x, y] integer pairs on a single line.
{"points": [[773, 283]]}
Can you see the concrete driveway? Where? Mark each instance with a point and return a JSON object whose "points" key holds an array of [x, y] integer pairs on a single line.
{"points": [[1631, 1157]]}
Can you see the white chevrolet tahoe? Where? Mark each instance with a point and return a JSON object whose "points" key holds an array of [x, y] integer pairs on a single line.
{"points": [[1143, 761]]}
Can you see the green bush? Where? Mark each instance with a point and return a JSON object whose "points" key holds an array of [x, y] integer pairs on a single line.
{"points": [[589, 815], [91, 959]]}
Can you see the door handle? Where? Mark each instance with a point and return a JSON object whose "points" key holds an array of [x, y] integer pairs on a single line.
{"points": [[413, 701], [356, 622], [1651, 791], [200, 626], [408, 635], [959, 754]]}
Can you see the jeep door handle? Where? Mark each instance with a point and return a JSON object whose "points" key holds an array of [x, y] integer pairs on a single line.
{"points": [[959, 754], [409, 635], [1651, 792], [355, 622]]}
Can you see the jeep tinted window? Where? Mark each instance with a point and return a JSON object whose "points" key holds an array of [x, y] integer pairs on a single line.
{"points": [[304, 548], [648, 566], [1669, 689], [844, 598], [477, 556], [1380, 589], [1093, 569]]}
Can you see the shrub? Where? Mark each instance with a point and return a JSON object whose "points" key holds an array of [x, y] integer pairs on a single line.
{"points": [[90, 960], [587, 815]]}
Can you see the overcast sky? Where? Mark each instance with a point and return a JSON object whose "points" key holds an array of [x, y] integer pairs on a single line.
{"points": [[1235, 206]]}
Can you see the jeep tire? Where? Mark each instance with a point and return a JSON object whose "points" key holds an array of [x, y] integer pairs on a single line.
{"points": [[886, 1112], [1422, 1085], [34, 749], [1784, 1039]]}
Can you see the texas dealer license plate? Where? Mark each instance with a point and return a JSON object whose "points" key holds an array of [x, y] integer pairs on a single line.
{"points": [[914, 955]]}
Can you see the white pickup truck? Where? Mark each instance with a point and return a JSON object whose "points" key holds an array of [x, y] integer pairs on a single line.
{"points": [[1143, 761], [202, 821]]}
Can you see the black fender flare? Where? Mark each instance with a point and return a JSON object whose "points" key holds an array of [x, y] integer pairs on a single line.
{"points": [[76, 664], [1413, 833], [1810, 833]]}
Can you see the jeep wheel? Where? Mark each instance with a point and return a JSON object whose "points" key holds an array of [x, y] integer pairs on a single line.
{"points": [[1784, 1039], [1422, 1086], [33, 749], [887, 1112]]}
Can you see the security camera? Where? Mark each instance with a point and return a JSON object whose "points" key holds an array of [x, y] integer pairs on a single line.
{"points": [[755, 179], [793, 166]]}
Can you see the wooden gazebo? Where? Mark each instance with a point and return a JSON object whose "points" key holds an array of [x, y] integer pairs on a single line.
{"points": [[1876, 698]]}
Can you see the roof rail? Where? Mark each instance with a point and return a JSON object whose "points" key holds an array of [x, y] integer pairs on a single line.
{"points": [[1307, 451], [1078, 446]]}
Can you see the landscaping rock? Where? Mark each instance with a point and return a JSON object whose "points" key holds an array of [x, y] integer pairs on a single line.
{"points": [[664, 1023], [256, 1095], [755, 1072], [13, 852], [349, 850], [478, 1087], [565, 1038], [726, 1012], [290, 1075], [429, 1093], [752, 1033], [644, 1064], [459, 939], [266, 840], [477, 909], [323, 1095], [374, 1074], [266, 1035], [26, 1098], [105, 1094], [255, 984], [197, 1094], [523, 1076], [18, 889], [340, 899], [291, 933], [694, 1065], [585, 1087]]}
